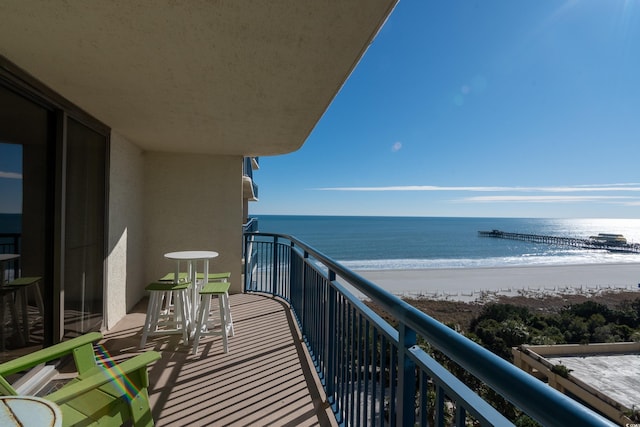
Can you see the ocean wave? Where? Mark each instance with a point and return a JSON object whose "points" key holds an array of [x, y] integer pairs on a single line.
{"points": [[567, 258]]}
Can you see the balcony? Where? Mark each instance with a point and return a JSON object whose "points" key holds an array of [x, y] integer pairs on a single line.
{"points": [[266, 378], [306, 352], [249, 187]]}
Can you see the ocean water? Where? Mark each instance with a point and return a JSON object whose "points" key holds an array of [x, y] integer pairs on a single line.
{"points": [[387, 243], [9, 223]]}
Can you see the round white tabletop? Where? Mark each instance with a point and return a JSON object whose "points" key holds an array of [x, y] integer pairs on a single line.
{"points": [[192, 258], [29, 411], [9, 257], [191, 255]]}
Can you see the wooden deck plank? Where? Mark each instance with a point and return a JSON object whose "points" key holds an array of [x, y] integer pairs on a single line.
{"points": [[265, 379]]}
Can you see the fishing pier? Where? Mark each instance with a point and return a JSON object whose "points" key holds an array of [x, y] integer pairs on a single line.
{"points": [[600, 242]]}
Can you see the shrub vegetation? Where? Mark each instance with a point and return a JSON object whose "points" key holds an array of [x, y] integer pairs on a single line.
{"points": [[502, 326]]}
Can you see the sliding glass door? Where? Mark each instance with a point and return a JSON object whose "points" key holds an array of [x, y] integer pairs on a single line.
{"points": [[52, 219], [26, 216]]}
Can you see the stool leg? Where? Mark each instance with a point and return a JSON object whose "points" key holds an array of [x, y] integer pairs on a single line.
{"points": [[39, 301], [152, 317], [2, 314], [14, 318], [23, 295], [167, 305], [227, 308], [183, 319], [223, 323], [188, 308], [201, 321]]}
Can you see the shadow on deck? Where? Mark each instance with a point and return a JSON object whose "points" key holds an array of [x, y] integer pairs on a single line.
{"points": [[266, 378]]}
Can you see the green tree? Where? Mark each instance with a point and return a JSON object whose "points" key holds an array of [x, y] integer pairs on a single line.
{"points": [[577, 331], [587, 309]]}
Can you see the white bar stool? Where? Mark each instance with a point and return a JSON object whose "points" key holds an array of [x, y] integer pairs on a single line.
{"points": [[22, 285], [162, 317], [174, 277], [10, 293], [215, 277], [205, 323]]}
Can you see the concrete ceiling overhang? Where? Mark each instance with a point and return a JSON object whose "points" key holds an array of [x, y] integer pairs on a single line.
{"points": [[233, 77]]}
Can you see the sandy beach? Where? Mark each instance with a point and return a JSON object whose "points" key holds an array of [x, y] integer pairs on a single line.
{"points": [[474, 283]]}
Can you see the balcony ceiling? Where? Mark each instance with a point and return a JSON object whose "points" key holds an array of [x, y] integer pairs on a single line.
{"points": [[221, 77]]}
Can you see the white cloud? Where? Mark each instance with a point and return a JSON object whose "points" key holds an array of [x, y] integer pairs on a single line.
{"points": [[10, 175], [578, 188], [548, 199]]}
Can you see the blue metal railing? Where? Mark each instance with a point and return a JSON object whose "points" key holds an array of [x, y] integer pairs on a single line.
{"points": [[251, 226], [375, 374], [10, 243]]}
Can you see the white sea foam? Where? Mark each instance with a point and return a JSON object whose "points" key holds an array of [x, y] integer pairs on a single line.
{"points": [[583, 257]]}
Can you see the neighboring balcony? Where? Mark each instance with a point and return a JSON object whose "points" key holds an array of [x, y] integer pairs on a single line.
{"points": [[307, 352], [249, 187]]}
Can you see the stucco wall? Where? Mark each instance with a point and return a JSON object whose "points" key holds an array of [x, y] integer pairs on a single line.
{"points": [[125, 280], [193, 202]]}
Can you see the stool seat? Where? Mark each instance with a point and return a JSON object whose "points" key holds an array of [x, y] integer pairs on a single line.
{"points": [[215, 277], [168, 286], [24, 281], [215, 288], [170, 277], [163, 317], [205, 323]]}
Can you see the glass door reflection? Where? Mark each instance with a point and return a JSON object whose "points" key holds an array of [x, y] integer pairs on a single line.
{"points": [[26, 223]]}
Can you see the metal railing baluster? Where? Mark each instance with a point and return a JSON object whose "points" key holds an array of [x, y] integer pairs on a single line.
{"points": [[374, 374]]}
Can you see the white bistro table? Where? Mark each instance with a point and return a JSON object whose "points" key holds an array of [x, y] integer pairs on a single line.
{"points": [[29, 411], [192, 258]]}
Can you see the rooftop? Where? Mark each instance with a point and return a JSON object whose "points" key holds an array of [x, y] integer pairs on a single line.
{"points": [[615, 375], [610, 368], [602, 375]]}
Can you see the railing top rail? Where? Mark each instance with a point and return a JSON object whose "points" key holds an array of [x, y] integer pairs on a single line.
{"points": [[250, 221], [547, 405]]}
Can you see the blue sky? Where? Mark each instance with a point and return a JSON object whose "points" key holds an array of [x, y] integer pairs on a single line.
{"points": [[478, 108]]}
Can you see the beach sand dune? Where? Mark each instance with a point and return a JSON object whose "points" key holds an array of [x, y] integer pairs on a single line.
{"points": [[471, 283]]}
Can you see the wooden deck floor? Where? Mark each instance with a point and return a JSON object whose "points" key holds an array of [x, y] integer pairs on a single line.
{"points": [[265, 379]]}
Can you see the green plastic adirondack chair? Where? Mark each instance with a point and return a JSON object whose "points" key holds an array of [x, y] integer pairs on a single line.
{"points": [[103, 393]]}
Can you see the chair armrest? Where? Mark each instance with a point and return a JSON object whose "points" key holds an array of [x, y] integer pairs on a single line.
{"points": [[48, 354], [103, 376]]}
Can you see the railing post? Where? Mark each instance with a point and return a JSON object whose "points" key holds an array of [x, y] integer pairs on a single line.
{"points": [[303, 288], [405, 405], [294, 291], [247, 279], [274, 270], [330, 339]]}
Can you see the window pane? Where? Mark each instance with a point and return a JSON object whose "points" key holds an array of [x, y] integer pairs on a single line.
{"points": [[84, 228], [25, 218]]}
